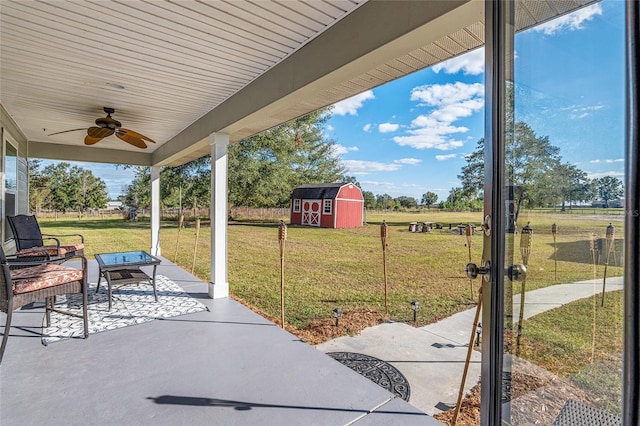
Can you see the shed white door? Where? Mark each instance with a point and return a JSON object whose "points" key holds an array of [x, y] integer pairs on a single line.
{"points": [[311, 212]]}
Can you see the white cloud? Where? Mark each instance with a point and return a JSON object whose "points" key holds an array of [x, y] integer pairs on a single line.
{"points": [[350, 106], [617, 160], [360, 167], [450, 102], [580, 111], [445, 157], [594, 161], [341, 149], [411, 161], [571, 22], [447, 94], [471, 63], [603, 174], [388, 127], [330, 128], [367, 127]]}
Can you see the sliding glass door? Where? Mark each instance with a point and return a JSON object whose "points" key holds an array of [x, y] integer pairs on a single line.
{"points": [[555, 217]]}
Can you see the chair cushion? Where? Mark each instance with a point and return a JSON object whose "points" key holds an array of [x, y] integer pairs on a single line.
{"points": [[66, 250], [34, 278]]}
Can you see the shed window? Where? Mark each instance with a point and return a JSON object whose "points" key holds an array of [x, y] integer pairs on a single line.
{"points": [[327, 207], [296, 206]]}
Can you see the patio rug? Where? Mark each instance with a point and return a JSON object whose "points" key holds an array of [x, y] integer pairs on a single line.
{"points": [[131, 304]]}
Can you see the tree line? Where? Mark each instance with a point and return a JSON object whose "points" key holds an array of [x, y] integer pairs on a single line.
{"points": [[265, 168], [63, 187]]}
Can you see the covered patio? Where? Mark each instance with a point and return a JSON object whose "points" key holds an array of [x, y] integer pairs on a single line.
{"points": [[227, 366], [196, 76]]}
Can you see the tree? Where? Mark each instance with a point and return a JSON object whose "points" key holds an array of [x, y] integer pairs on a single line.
{"points": [[187, 185], [472, 176], [573, 185], [609, 188], [69, 187], [353, 180], [38, 186], [138, 193], [264, 169], [429, 199], [406, 202], [529, 162], [93, 191], [457, 199], [369, 199], [384, 201]]}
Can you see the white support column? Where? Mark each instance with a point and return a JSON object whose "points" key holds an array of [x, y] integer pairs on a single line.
{"points": [[155, 211], [219, 286]]}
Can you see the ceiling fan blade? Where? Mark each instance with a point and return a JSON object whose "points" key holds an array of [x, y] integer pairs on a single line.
{"points": [[131, 139], [135, 134], [66, 131], [89, 140], [99, 132]]}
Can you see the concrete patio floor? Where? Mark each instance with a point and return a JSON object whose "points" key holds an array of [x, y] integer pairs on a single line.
{"points": [[228, 366]]}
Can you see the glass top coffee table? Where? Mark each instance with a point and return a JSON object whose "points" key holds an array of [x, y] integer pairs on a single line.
{"points": [[124, 268]]}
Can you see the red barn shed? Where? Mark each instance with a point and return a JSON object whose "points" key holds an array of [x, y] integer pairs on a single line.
{"points": [[328, 205]]}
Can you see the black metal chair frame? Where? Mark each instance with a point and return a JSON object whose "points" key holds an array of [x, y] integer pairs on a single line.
{"points": [[10, 302], [28, 237]]}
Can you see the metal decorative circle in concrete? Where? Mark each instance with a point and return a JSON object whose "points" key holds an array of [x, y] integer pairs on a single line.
{"points": [[378, 371]]}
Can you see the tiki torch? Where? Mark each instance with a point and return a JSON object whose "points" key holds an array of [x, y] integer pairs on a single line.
{"points": [[180, 221], [383, 237], [195, 247], [468, 360], [610, 235], [554, 231], [469, 233], [282, 237], [525, 250], [594, 256]]}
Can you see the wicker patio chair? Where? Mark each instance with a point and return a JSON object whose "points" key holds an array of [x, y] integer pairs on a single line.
{"points": [[35, 281], [30, 242]]}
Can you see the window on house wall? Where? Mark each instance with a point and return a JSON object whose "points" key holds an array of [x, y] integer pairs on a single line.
{"points": [[327, 207], [10, 173], [296, 206]]}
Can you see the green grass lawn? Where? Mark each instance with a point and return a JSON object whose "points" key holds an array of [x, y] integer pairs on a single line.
{"points": [[583, 342], [328, 268]]}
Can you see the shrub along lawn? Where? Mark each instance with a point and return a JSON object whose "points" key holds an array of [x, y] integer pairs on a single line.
{"points": [[328, 268]]}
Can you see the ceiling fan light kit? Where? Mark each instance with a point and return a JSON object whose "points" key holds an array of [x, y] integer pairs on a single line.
{"points": [[107, 126]]}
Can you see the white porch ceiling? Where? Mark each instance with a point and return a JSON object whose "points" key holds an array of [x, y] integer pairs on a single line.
{"points": [[177, 71]]}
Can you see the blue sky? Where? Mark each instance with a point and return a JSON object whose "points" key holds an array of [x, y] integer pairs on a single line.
{"points": [[411, 136]]}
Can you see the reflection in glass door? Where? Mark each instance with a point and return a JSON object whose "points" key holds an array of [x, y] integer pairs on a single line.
{"points": [[558, 216]]}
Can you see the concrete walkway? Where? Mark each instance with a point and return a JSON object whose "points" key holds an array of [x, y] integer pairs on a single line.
{"points": [[432, 357]]}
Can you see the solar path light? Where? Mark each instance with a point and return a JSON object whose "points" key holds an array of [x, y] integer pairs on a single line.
{"points": [[337, 313], [415, 307]]}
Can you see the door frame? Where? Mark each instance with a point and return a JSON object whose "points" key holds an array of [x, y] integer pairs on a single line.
{"points": [[499, 36]]}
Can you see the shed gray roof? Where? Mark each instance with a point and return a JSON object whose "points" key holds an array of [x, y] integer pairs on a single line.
{"points": [[317, 191]]}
